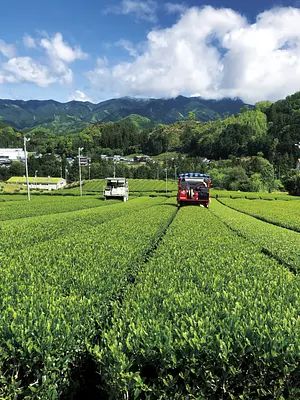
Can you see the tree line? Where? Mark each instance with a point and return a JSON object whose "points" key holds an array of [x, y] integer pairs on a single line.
{"points": [[271, 130]]}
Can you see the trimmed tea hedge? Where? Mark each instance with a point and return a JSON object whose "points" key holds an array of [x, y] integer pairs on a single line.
{"points": [[209, 318]]}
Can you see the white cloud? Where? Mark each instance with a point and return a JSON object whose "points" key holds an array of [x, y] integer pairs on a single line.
{"points": [[29, 42], [60, 55], [128, 46], [102, 61], [25, 69], [141, 9], [173, 8], [79, 96], [57, 49], [263, 59], [56, 67], [177, 59], [216, 53], [8, 50]]}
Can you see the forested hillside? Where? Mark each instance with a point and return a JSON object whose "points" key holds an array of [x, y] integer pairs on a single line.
{"points": [[72, 117], [269, 130]]}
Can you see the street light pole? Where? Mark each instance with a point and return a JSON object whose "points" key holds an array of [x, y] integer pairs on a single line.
{"points": [[80, 183], [114, 168], [89, 171], [26, 167], [175, 174]]}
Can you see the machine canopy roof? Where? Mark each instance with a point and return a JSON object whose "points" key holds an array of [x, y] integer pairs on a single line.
{"points": [[116, 179], [193, 175]]}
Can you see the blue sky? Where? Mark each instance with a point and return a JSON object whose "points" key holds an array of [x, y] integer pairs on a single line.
{"points": [[95, 50]]}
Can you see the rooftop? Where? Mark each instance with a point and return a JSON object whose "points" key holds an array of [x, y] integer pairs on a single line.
{"points": [[38, 180]]}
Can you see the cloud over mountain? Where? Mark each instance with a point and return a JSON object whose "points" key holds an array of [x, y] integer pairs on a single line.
{"points": [[213, 53], [78, 95], [209, 52]]}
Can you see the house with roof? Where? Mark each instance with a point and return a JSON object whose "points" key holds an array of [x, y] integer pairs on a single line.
{"points": [[12, 154], [46, 183]]}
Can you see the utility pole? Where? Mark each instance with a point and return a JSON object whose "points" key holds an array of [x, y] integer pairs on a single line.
{"points": [[114, 168], [26, 167], [166, 180], [66, 174], [89, 171], [35, 176], [298, 159], [80, 183], [175, 173]]}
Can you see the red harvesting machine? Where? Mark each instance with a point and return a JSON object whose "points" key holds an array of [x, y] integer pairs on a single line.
{"points": [[193, 188]]}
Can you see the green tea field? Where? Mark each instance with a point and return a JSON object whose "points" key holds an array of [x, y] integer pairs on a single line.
{"points": [[136, 186], [142, 300]]}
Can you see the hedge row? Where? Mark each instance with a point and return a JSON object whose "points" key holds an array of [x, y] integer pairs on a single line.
{"points": [[56, 294], [209, 318]]}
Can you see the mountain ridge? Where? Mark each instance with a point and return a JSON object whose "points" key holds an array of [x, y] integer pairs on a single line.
{"points": [[75, 115]]}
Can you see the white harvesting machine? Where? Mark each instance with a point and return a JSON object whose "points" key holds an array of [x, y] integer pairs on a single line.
{"points": [[116, 188]]}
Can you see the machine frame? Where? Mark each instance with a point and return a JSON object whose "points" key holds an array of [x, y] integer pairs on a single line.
{"points": [[116, 188], [193, 188]]}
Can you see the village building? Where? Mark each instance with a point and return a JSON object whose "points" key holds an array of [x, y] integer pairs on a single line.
{"points": [[12, 154], [46, 183]]}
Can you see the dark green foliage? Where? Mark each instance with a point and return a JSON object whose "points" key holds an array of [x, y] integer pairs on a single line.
{"points": [[291, 182], [9, 137], [247, 174], [270, 129], [284, 125], [75, 115], [17, 168]]}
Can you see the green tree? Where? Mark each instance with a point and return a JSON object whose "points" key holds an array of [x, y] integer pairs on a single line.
{"points": [[9, 137], [263, 106], [291, 182], [192, 116], [244, 109], [255, 183], [233, 177], [17, 169]]}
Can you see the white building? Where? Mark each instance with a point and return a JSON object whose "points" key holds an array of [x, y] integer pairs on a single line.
{"points": [[38, 182], [12, 154]]}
